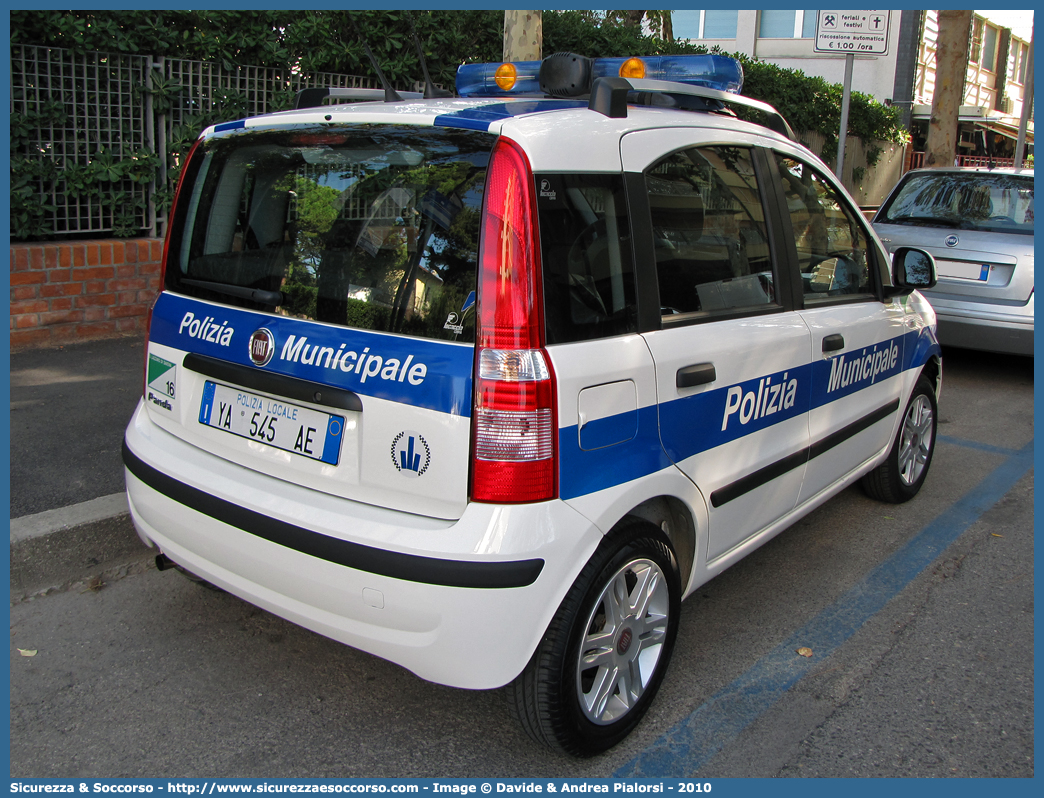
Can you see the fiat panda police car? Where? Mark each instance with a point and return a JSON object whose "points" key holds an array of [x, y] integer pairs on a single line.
{"points": [[486, 385]]}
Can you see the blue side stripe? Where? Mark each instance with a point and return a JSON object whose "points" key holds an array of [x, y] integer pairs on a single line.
{"points": [[695, 422], [610, 431], [925, 345], [230, 126], [586, 471]]}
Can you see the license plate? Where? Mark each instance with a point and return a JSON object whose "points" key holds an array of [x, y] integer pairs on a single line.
{"points": [[963, 270], [273, 422]]}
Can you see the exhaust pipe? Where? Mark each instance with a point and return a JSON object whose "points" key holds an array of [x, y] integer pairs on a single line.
{"points": [[164, 563]]}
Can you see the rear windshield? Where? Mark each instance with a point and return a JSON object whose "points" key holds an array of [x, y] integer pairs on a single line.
{"points": [[368, 226], [1000, 203]]}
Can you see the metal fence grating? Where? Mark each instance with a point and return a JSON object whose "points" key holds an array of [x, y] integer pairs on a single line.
{"points": [[104, 111], [107, 105], [252, 90]]}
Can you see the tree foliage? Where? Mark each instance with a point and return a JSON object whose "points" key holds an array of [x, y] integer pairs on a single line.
{"points": [[325, 41], [307, 42], [813, 104]]}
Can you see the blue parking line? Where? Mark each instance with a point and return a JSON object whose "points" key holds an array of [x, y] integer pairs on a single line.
{"points": [[693, 742]]}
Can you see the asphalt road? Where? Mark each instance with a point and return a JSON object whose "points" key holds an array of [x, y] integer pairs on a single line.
{"points": [[919, 616]]}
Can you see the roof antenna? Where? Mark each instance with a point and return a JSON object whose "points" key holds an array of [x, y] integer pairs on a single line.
{"points": [[390, 95], [431, 91]]}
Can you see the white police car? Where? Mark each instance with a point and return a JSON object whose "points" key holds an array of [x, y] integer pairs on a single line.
{"points": [[487, 385]]}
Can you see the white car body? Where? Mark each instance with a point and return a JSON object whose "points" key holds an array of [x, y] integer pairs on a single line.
{"points": [[381, 546]]}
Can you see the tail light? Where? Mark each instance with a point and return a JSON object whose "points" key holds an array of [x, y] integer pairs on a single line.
{"points": [[163, 262], [515, 440]]}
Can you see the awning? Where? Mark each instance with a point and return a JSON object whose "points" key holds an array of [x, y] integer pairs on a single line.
{"points": [[981, 117], [1005, 130]]}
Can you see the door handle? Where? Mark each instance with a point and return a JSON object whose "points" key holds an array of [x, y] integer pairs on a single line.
{"points": [[697, 374], [833, 342]]}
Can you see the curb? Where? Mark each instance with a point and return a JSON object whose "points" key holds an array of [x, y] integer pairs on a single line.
{"points": [[73, 543]]}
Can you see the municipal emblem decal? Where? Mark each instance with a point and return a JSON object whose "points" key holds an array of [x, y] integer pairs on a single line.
{"points": [[410, 453], [453, 324], [455, 321], [952, 241], [262, 347]]}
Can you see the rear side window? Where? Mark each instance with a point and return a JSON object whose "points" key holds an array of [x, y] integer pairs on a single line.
{"points": [[711, 240], [368, 226], [585, 244]]}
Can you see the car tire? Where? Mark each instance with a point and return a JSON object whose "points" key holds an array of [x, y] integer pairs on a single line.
{"points": [[604, 654], [900, 476]]}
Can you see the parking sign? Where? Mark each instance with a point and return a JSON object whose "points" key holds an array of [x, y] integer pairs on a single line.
{"points": [[864, 32]]}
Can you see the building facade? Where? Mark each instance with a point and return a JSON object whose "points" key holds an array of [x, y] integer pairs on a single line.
{"points": [[998, 67]]}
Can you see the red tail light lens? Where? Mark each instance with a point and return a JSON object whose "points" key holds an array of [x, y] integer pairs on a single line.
{"points": [[163, 262], [515, 446], [510, 311]]}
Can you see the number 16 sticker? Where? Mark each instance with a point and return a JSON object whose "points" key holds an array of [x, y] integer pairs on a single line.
{"points": [[162, 382]]}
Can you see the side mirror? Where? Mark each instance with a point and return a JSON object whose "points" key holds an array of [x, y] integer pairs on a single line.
{"points": [[912, 268]]}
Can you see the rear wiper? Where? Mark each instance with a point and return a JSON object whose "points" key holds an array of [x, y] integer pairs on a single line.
{"points": [[241, 291]]}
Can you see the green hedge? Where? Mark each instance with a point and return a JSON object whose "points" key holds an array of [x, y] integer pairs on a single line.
{"points": [[324, 41]]}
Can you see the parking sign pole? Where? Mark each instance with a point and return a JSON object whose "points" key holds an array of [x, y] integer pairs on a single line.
{"points": [[850, 32], [846, 98]]}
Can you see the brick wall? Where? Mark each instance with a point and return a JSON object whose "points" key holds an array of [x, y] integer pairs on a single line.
{"points": [[79, 290]]}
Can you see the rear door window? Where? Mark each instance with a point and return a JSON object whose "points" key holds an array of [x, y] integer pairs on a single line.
{"points": [[710, 235], [373, 226]]}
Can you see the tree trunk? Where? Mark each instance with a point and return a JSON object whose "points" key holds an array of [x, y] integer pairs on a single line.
{"points": [[951, 67], [661, 24], [633, 19], [523, 35]]}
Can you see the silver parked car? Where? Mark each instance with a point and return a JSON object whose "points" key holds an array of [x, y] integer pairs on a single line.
{"points": [[978, 224]]}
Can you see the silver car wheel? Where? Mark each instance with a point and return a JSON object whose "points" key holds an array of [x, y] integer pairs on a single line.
{"points": [[917, 440], [623, 641]]}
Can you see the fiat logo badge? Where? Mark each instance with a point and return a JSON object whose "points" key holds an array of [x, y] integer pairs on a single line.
{"points": [[624, 642], [262, 347], [952, 241]]}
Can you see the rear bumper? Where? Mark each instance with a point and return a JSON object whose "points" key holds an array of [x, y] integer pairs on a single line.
{"points": [[460, 603], [1008, 338], [989, 326]]}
